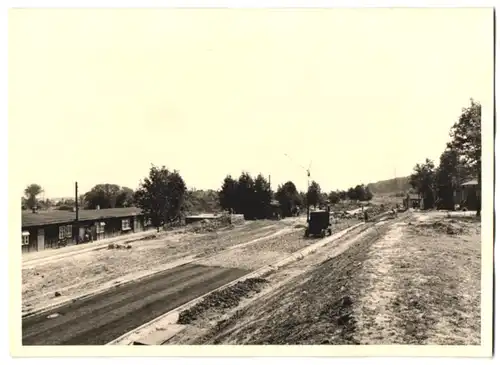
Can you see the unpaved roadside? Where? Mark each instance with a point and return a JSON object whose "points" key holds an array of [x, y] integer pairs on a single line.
{"points": [[94, 270], [411, 280], [266, 252]]}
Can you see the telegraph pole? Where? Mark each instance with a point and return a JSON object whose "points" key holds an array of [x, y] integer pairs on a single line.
{"points": [[76, 213], [307, 192]]}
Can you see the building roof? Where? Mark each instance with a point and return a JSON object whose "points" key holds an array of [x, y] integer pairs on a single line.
{"points": [[470, 182], [43, 218], [203, 216]]}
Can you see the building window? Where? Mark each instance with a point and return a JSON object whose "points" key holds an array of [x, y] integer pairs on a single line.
{"points": [[65, 231], [125, 224], [62, 232], [100, 227], [25, 238], [69, 231]]}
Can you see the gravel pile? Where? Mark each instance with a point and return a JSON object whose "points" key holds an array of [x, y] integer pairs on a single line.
{"points": [[227, 298], [373, 210], [450, 227], [210, 225], [149, 237], [118, 246]]}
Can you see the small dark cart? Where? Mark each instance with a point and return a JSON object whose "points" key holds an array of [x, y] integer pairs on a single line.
{"points": [[319, 224]]}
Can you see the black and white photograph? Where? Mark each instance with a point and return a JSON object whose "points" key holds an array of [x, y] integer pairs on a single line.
{"points": [[251, 176]]}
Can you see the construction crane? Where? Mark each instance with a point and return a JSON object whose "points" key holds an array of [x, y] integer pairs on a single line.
{"points": [[308, 171]]}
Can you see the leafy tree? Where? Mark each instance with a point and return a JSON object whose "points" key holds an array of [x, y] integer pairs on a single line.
{"points": [[31, 193], [302, 199], [314, 194], [423, 181], [359, 191], [466, 140], [108, 196], [262, 197], [161, 196], [342, 194], [103, 196], [125, 198], [351, 194], [334, 197], [323, 199], [449, 175], [368, 194], [66, 204], [202, 201], [244, 195], [228, 194], [81, 201], [177, 191], [288, 197], [247, 196]]}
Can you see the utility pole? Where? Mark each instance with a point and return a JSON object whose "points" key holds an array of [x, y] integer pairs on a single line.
{"points": [[76, 214]]}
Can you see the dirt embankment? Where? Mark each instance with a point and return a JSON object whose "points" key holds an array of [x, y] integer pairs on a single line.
{"points": [[407, 281], [227, 298]]}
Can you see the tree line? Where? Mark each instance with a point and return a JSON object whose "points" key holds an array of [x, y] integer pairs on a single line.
{"points": [[165, 199], [459, 162], [101, 195]]}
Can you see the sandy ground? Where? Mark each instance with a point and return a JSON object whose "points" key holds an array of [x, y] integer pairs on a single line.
{"points": [[267, 252], [88, 271], [412, 280]]}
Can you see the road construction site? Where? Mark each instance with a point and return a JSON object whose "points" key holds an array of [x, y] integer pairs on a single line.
{"points": [[414, 279], [62, 298], [261, 282]]}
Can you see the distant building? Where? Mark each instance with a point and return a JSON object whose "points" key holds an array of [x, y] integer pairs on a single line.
{"points": [[275, 210], [200, 217], [413, 201], [468, 195], [46, 229]]}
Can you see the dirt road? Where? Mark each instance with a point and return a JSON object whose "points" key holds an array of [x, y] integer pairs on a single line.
{"points": [[93, 270], [107, 316], [411, 280], [103, 318]]}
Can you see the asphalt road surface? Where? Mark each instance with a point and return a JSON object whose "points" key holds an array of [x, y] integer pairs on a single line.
{"points": [[105, 317]]}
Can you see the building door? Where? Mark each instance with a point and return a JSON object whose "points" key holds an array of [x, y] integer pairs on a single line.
{"points": [[471, 199], [93, 232], [81, 233], [41, 239]]}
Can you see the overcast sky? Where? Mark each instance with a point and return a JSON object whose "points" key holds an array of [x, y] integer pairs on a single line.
{"points": [[96, 96]]}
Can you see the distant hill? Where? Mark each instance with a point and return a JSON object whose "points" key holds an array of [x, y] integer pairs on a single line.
{"points": [[396, 185]]}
